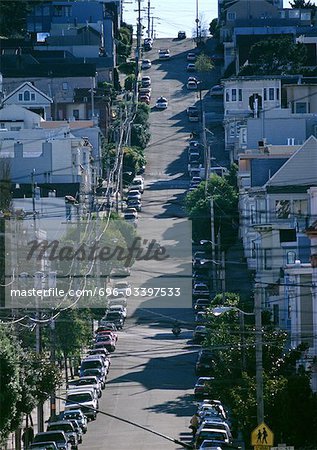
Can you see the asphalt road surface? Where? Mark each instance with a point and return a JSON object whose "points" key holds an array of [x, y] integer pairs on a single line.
{"points": [[152, 373]]}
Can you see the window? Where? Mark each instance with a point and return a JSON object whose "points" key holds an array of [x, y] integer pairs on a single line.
{"points": [[65, 86], [227, 95], [243, 135], [232, 130], [20, 97], [300, 207], [277, 93], [233, 95], [282, 209], [253, 250], [301, 107], [240, 95], [271, 93], [231, 16], [252, 217], [288, 235], [32, 96], [46, 11], [76, 114], [2, 125], [15, 128], [267, 259], [26, 96], [58, 11], [265, 94]]}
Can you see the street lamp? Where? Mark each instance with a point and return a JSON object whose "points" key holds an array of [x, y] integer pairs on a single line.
{"points": [[217, 311]]}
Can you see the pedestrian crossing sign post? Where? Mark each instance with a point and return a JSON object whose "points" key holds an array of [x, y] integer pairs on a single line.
{"points": [[262, 437]]}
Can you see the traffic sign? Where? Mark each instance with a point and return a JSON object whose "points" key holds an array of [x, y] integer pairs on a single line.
{"points": [[262, 437]]}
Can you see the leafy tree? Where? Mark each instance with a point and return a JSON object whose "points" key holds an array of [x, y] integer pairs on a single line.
{"points": [[214, 28], [128, 68], [275, 56], [13, 17], [302, 4], [129, 82], [140, 135], [142, 115], [225, 199], [204, 63], [26, 378]]}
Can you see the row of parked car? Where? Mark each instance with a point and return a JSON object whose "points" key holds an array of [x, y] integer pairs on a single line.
{"points": [[83, 393], [134, 200]]}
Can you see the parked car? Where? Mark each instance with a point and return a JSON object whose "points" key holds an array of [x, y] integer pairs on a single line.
{"points": [[58, 437], [148, 45], [131, 218], [144, 98], [43, 446], [208, 444], [205, 363], [69, 430], [191, 67], [146, 64], [201, 388], [201, 304], [93, 362], [97, 372], [104, 341], [138, 182], [193, 113], [123, 287], [161, 103], [91, 382], [84, 400], [211, 434], [120, 309], [134, 193], [192, 83], [78, 430], [216, 91], [181, 35], [164, 53], [78, 415], [118, 301], [200, 332], [214, 424], [146, 81], [191, 56], [116, 318], [135, 203], [201, 290]]}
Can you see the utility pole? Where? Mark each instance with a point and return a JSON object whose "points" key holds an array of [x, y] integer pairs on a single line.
{"points": [[148, 18], [137, 52], [197, 23], [152, 26], [212, 238], [258, 353]]}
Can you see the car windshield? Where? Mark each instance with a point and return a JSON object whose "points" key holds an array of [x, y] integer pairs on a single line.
{"points": [[66, 427], [85, 382], [72, 415], [90, 364], [113, 315], [79, 398], [45, 437], [96, 372]]}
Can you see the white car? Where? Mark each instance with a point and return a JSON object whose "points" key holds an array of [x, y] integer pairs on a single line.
{"points": [[138, 183], [146, 64], [191, 56], [161, 103], [131, 218], [146, 82], [134, 193], [164, 53], [119, 308], [192, 83], [122, 288], [83, 399]]}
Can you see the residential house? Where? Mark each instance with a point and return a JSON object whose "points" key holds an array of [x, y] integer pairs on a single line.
{"points": [[261, 110], [275, 213], [245, 22], [28, 96], [55, 159]]}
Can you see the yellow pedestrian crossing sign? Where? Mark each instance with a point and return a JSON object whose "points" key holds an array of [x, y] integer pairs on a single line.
{"points": [[262, 437]]}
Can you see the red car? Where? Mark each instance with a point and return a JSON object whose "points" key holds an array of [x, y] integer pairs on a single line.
{"points": [[109, 333], [144, 99], [106, 342]]}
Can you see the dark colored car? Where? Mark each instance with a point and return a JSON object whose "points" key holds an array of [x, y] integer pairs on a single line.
{"points": [[181, 35], [201, 388], [205, 363], [58, 437]]}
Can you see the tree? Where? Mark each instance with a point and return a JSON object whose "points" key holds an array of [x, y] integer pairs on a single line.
{"points": [[203, 63], [128, 68], [26, 378], [129, 82], [13, 17], [275, 56], [214, 28], [140, 135], [302, 4], [225, 199]]}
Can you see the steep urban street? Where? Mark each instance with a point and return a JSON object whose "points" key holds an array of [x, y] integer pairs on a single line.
{"points": [[152, 373]]}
